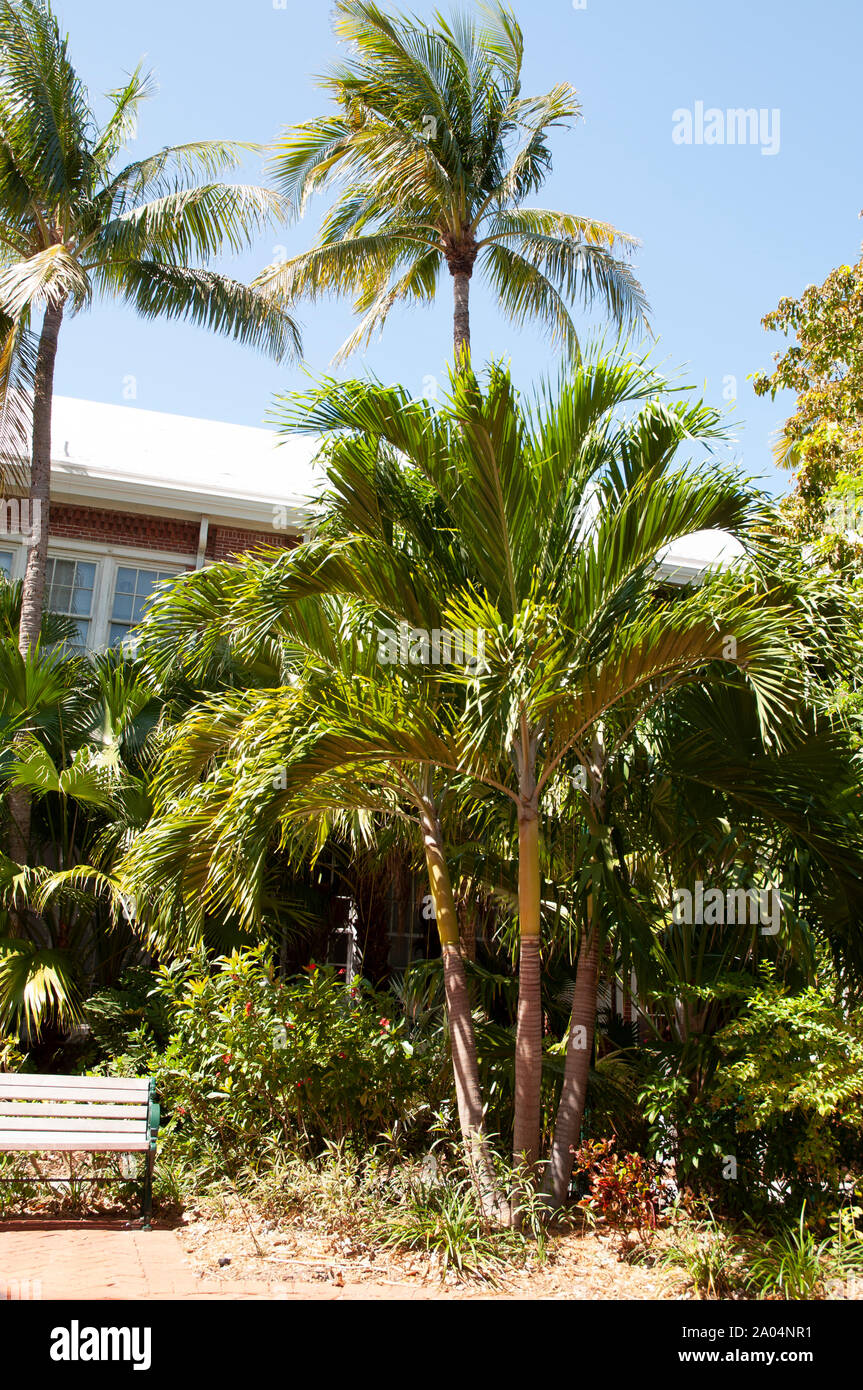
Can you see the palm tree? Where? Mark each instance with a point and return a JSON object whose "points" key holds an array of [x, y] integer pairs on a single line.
{"points": [[543, 529], [438, 149], [245, 768], [75, 222]]}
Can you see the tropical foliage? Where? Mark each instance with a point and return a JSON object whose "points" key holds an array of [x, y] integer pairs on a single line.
{"points": [[474, 855]]}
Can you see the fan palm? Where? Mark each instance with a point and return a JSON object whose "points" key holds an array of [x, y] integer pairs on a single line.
{"points": [[76, 222], [438, 149], [73, 739]]}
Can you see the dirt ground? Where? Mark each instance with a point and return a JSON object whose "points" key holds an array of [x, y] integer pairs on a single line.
{"points": [[581, 1266]]}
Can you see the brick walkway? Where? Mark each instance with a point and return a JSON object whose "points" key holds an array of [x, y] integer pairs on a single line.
{"points": [[101, 1259]]}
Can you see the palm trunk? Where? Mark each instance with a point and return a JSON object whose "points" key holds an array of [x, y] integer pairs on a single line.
{"points": [[462, 1037], [579, 1047], [528, 1031], [461, 318], [40, 481], [18, 800]]}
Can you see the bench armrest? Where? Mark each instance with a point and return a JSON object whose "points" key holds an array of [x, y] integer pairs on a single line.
{"points": [[154, 1114]]}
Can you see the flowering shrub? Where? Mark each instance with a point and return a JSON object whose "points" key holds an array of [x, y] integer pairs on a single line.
{"points": [[622, 1188], [307, 1060]]}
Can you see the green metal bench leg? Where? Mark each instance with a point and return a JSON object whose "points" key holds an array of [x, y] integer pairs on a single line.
{"points": [[147, 1196], [153, 1120]]}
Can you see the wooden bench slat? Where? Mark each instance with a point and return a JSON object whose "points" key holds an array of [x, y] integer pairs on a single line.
{"points": [[11, 1081], [73, 1108], [77, 1125], [47, 1142], [117, 1094]]}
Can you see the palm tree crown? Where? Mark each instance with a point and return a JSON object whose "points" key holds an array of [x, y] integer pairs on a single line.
{"points": [[437, 150]]}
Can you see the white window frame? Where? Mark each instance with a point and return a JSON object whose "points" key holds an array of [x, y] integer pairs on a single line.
{"points": [[107, 559]]}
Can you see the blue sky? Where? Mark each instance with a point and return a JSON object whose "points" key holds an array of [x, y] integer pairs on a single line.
{"points": [[726, 229]]}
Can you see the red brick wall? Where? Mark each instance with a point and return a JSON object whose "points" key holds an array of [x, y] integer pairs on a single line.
{"points": [[223, 541], [103, 525], [108, 527]]}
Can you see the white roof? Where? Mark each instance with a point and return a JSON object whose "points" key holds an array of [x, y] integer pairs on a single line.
{"points": [[162, 462]]}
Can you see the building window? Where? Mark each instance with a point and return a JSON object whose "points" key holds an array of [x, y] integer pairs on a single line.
{"points": [[6, 564], [133, 589], [69, 590]]}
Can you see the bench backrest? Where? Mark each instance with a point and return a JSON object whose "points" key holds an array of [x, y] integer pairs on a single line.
{"points": [[76, 1108]]}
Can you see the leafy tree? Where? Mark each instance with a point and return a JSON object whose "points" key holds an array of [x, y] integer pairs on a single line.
{"points": [[437, 150], [823, 440]]}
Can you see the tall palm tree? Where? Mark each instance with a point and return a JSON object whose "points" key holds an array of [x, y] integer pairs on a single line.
{"points": [[437, 150], [76, 222]]}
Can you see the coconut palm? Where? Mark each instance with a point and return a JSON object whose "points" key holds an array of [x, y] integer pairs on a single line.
{"points": [[437, 150], [76, 222]]}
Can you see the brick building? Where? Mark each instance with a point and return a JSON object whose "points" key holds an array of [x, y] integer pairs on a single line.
{"points": [[138, 496]]}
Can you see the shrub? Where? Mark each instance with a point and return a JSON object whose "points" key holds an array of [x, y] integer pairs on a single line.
{"points": [[623, 1189], [253, 1060], [12, 1059], [778, 1089], [131, 1017]]}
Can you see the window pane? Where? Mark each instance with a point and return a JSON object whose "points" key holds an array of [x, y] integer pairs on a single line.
{"points": [[116, 633], [133, 591], [5, 563], [122, 607], [125, 581], [59, 599], [81, 601], [64, 573]]}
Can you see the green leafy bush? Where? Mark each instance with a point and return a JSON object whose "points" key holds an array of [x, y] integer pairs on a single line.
{"points": [[12, 1059], [131, 1018], [769, 1108], [793, 1070], [253, 1060]]}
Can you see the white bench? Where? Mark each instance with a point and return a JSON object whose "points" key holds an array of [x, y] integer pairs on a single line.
{"points": [[81, 1114]]}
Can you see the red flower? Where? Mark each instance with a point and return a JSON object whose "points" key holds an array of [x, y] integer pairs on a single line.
{"points": [[226, 1057], [248, 1010], [181, 1109]]}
